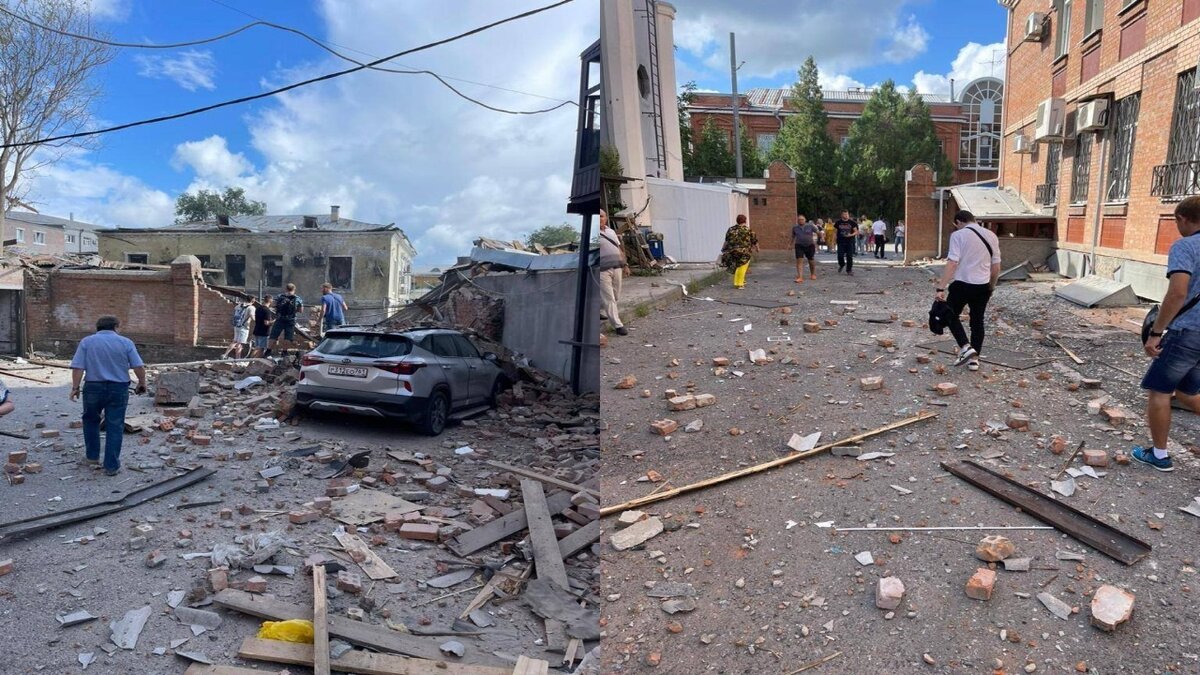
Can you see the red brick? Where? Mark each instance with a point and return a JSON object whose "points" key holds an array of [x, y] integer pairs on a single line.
{"points": [[349, 582], [218, 578], [871, 383], [33, 467], [6, 566], [664, 427], [17, 456], [322, 503], [946, 388], [201, 439], [1095, 458], [255, 584], [420, 531], [302, 517], [981, 584]]}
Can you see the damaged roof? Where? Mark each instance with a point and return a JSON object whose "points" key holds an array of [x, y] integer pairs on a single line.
{"points": [[289, 223], [992, 203]]}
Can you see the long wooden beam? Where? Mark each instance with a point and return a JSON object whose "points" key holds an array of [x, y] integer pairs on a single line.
{"points": [[359, 661], [759, 468], [549, 480], [320, 623]]}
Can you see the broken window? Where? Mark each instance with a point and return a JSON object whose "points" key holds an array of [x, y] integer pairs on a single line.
{"points": [[235, 270], [272, 271], [341, 272], [137, 258]]}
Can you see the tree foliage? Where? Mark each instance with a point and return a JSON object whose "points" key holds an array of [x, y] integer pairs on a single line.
{"points": [[711, 155], [206, 205], [610, 165], [894, 133], [46, 87], [687, 96], [552, 235], [805, 145]]}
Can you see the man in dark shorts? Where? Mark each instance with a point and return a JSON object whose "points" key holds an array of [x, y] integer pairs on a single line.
{"points": [[847, 235], [262, 326], [1175, 370], [287, 307], [804, 239]]}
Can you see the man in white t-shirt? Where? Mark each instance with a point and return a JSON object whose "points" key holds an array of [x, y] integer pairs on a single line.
{"points": [[878, 236], [972, 268]]}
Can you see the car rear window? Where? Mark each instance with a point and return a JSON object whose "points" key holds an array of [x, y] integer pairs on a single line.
{"points": [[370, 345]]}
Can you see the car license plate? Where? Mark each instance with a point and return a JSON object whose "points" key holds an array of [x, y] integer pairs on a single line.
{"points": [[348, 371]]}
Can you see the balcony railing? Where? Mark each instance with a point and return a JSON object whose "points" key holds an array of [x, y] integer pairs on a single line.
{"points": [[1176, 180], [1047, 194]]}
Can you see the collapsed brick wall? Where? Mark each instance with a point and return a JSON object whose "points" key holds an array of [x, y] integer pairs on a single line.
{"points": [[157, 308]]}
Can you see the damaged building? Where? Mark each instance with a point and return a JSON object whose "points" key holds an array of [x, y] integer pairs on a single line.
{"points": [[370, 264]]}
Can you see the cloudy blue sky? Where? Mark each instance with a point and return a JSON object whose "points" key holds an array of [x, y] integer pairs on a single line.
{"points": [[387, 148], [916, 43]]}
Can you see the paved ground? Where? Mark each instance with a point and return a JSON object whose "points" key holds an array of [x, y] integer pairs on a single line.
{"points": [[53, 576], [775, 592]]}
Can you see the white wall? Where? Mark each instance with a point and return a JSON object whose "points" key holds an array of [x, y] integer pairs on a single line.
{"points": [[693, 217]]}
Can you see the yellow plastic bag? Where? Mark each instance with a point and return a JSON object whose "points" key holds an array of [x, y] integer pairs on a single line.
{"points": [[292, 630]]}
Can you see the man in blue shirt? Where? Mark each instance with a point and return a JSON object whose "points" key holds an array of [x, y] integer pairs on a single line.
{"points": [[333, 308], [106, 358], [1175, 370]]}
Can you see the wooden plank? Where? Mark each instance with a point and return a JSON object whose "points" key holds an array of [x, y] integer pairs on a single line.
{"points": [[489, 589], [202, 669], [357, 632], [765, 466], [469, 542], [541, 535], [320, 623], [1065, 518], [549, 480], [9, 373], [359, 661], [579, 539], [371, 564], [528, 666]]}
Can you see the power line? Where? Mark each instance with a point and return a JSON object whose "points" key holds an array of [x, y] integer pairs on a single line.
{"points": [[294, 85], [288, 29]]}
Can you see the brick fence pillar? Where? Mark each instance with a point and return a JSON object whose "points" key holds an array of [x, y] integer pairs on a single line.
{"points": [[920, 215], [185, 287]]}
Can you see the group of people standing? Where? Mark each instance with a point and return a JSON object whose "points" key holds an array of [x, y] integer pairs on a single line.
{"points": [[268, 319]]}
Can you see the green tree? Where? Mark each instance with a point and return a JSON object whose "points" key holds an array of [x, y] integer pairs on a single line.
{"points": [[805, 145], [206, 205], [687, 96], [610, 165], [552, 235], [754, 162], [894, 133]]}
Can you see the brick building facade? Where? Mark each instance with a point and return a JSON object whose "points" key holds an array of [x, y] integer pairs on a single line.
{"points": [[1110, 188], [967, 125]]}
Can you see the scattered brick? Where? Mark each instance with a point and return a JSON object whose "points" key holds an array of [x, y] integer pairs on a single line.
{"points": [[1114, 415], [705, 400], [155, 558], [679, 403], [6, 567], [419, 531], [1111, 607], [33, 467], [627, 382], [670, 394], [871, 383], [664, 427], [349, 582], [302, 517], [255, 584], [1018, 421], [370, 481], [720, 361], [1058, 445], [1121, 458], [201, 439], [225, 514], [243, 454], [908, 323], [830, 322], [889, 592], [50, 433], [812, 327], [946, 388], [885, 342], [980, 585], [1095, 458], [336, 491], [322, 503], [16, 479], [17, 456], [218, 578]]}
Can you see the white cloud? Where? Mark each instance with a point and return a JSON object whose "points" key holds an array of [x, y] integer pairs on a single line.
{"points": [[973, 61], [107, 10], [98, 194], [211, 161], [838, 82], [776, 35], [192, 69], [909, 41]]}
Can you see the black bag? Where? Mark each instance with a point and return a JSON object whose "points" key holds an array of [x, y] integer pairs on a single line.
{"points": [[1152, 316], [285, 307], [940, 315]]}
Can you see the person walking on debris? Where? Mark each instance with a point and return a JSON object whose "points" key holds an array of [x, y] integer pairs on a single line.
{"points": [[879, 237], [898, 237], [830, 236], [288, 306], [612, 270], [740, 246], [106, 359], [972, 269], [847, 233], [804, 239], [864, 233], [1175, 370], [333, 308], [262, 325], [243, 321]]}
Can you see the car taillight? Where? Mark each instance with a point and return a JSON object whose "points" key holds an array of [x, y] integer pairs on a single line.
{"points": [[401, 368], [310, 360]]}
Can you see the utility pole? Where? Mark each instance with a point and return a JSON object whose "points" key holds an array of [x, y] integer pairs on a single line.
{"points": [[737, 127]]}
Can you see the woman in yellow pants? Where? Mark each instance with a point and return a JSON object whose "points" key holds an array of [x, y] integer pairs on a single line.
{"points": [[740, 246]]}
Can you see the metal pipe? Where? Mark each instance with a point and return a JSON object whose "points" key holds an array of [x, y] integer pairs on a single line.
{"points": [[1099, 201], [581, 304], [938, 529], [737, 127]]}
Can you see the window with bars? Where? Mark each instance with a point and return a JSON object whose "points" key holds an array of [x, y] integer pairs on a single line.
{"points": [[1047, 193], [1180, 176], [1082, 176], [1062, 26], [1120, 159]]}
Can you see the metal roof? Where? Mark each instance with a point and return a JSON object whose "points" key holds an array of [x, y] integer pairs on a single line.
{"points": [[275, 224], [991, 203], [48, 221], [775, 98]]}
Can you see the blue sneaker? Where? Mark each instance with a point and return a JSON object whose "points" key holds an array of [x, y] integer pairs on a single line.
{"points": [[1146, 456]]}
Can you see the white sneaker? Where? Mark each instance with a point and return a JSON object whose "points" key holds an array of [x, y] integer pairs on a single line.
{"points": [[965, 354], [973, 364]]}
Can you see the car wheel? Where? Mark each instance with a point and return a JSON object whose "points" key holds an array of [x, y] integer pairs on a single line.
{"points": [[436, 412], [498, 387]]}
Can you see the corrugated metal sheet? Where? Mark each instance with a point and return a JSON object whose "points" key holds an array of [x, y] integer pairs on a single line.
{"points": [[988, 203], [774, 98]]}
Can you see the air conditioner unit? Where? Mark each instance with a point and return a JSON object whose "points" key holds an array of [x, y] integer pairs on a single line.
{"points": [[1093, 115], [1021, 145], [1035, 27], [1049, 123]]}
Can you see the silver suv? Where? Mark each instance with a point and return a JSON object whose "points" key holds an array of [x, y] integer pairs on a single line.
{"points": [[422, 376]]}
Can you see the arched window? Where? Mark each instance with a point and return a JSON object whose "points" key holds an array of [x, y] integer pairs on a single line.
{"points": [[982, 102]]}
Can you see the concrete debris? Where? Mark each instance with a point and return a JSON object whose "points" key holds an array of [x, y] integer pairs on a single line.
{"points": [[864, 558], [637, 533], [454, 648], [86, 659], [889, 592], [867, 456], [994, 548], [1111, 607], [1057, 607], [75, 618], [198, 617], [453, 578], [800, 443], [1017, 564], [125, 632]]}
